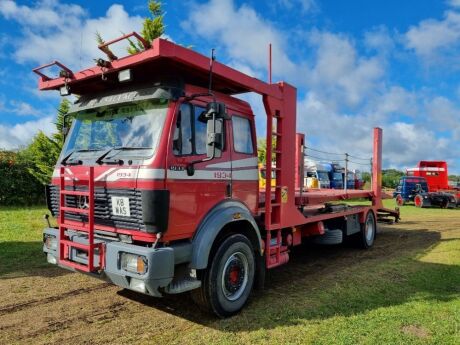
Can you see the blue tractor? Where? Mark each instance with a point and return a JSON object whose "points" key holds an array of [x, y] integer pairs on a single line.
{"points": [[415, 189]]}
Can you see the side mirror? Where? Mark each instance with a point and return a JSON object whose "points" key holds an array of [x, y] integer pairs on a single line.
{"points": [[215, 136], [214, 109]]}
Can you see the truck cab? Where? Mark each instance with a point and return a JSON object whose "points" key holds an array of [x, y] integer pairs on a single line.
{"points": [[263, 177], [316, 175], [350, 180], [335, 173]]}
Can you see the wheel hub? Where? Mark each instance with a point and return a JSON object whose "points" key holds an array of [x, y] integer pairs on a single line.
{"points": [[235, 276]]}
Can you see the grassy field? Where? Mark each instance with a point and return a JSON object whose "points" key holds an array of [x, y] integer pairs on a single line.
{"points": [[405, 290]]}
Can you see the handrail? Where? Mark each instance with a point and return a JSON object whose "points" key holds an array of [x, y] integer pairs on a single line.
{"points": [[57, 63], [135, 34]]}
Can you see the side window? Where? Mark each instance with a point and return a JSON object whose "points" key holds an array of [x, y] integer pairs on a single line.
{"points": [[200, 132], [182, 142], [242, 135]]}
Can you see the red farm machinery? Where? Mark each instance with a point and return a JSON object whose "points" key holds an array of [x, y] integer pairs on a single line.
{"points": [[157, 191]]}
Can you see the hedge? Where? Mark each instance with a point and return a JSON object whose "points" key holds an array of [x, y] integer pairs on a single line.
{"points": [[17, 186]]}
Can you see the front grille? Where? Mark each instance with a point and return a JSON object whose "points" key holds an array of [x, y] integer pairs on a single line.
{"points": [[102, 207]]}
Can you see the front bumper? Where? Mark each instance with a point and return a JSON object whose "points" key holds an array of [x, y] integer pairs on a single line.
{"points": [[159, 273]]}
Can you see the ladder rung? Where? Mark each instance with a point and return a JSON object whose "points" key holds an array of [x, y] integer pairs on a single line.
{"points": [[277, 134], [75, 210], [72, 244], [75, 227], [275, 226], [277, 151], [74, 192], [275, 204]]}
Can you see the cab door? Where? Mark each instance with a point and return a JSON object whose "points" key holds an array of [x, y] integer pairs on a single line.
{"points": [[245, 173], [195, 186]]}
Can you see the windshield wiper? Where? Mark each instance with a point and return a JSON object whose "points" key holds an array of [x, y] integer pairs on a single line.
{"points": [[110, 160], [75, 162]]}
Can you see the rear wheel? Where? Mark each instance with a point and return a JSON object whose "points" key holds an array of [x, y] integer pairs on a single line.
{"points": [[368, 231], [399, 200], [227, 283], [418, 200]]}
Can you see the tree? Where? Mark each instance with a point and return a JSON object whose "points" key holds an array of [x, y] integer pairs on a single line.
{"points": [[262, 150], [152, 27], [43, 152], [390, 177]]}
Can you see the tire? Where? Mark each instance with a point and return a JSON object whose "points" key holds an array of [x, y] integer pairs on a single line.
{"points": [[368, 231], [418, 201], [399, 200], [229, 279]]}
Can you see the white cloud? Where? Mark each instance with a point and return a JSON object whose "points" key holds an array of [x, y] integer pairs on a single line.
{"points": [[443, 114], [405, 144], [20, 135], [454, 3], [395, 101], [45, 14], [243, 34], [339, 73], [379, 39], [305, 6], [435, 40], [54, 31], [23, 109]]}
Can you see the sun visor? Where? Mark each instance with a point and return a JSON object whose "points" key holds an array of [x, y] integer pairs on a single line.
{"points": [[125, 96]]}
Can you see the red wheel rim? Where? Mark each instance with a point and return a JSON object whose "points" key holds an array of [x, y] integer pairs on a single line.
{"points": [[418, 201]]}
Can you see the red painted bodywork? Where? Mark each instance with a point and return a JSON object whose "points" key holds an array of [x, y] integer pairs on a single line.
{"points": [[192, 198], [436, 175]]}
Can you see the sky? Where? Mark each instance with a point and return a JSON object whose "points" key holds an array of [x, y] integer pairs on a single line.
{"points": [[357, 64]]}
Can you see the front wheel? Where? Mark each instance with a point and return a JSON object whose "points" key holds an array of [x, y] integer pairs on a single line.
{"points": [[228, 282], [399, 200]]}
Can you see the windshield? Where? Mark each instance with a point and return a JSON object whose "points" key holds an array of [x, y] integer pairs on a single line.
{"points": [[337, 176], [135, 127], [323, 176]]}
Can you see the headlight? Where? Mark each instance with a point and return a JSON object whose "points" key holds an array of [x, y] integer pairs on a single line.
{"points": [[133, 263], [51, 242]]}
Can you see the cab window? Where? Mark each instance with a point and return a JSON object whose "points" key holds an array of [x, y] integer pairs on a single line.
{"points": [[190, 132], [242, 135]]}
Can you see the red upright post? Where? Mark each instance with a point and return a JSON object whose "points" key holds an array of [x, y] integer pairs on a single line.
{"points": [[377, 168]]}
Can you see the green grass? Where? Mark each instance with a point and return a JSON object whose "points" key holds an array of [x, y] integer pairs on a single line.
{"points": [[404, 291], [21, 239]]}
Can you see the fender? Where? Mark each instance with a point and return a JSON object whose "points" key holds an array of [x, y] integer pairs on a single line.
{"points": [[224, 213]]}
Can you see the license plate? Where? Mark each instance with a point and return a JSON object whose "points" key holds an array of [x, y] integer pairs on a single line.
{"points": [[120, 206]]}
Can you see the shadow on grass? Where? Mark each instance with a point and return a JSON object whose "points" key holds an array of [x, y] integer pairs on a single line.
{"points": [[25, 259], [322, 282]]}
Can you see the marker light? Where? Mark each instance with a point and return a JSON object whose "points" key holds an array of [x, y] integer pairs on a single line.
{"points": [[51, 242], [64, 90], [125, 76]]}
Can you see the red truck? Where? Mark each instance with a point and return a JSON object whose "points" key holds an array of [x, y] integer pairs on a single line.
{"points": [[156, 189]]}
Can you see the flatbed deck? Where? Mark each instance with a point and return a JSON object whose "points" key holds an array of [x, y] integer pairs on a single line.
{"points": [[314, 197]]}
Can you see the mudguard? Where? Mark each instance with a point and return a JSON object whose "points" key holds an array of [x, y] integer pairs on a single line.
{"points": [[221, 215]]}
